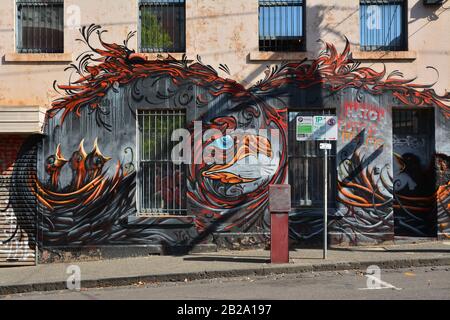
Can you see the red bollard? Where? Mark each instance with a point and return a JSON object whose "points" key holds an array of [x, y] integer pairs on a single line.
{"points": [[279, 206], [279, 245]]}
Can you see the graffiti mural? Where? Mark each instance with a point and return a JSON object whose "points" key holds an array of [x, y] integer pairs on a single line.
{"points": [[443, 195], [91, 193], [414, 171], [357, 117], [235, 192], [86, 178]]}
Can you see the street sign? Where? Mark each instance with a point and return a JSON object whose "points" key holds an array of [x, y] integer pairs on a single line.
{"points": [[325, 128], [318, 128], [304, 128], [325, 146]]}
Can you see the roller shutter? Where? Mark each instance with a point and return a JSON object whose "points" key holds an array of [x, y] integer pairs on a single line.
{"points": [[17, 203]]}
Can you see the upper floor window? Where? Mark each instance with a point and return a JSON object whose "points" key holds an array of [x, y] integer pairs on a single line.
{"points": [[383, 25], [281, 25], [40, 26], [162, 25]]}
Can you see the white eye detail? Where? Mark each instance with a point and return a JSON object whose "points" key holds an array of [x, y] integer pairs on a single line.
{"points": [[225, 142]]}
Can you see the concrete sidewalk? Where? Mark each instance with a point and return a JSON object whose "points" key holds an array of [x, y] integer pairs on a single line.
{"points": [[220, 264]]}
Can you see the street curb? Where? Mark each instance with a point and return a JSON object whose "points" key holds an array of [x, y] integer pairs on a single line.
{"points": [[261, 271]]}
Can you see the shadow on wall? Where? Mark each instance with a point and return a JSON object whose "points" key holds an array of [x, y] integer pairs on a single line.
{"points": [[319, 27], [363, 195], [320, 21], [22, 203], [419, 12]]}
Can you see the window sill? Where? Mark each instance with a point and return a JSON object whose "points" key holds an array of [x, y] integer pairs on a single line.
{"points": [[38, 57], [163, 55], [384, 55], [278, 56], [159, 215], [150, 219]]}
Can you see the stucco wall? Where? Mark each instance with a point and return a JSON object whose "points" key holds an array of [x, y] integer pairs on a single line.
{"points": [[221, 31]]}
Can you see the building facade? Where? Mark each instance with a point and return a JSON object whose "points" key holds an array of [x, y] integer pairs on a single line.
{"points": [[91, 94]]}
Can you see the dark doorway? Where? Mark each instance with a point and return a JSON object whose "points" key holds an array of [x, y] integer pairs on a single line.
{"points": [[306, 168], [414, 172]]}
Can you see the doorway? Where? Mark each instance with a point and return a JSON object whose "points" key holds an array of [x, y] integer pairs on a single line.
{"points": [[414, 172], [306, 169]]}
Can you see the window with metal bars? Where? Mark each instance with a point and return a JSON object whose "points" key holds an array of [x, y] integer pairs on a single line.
{"points": [[306, 167], [162, 183], [40, 26], [281, 25], [413, 121], [383, 25], [162, 25]]}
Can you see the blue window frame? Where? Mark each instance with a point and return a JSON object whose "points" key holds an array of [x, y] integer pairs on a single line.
{"points": [[162, 25], [40, 26], [383, 25], [281, 25]]}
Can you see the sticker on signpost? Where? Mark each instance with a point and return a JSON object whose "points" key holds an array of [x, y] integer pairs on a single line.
{"points": [[325, 128], [317, 128], [304, 128]]}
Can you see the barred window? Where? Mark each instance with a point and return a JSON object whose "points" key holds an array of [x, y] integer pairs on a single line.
{"points": [[383, 25], [281, 25], [40, 26], [162, 25], [162, 183]]}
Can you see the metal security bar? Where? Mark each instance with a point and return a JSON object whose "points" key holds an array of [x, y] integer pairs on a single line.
{"points": [[383, 25], [306, 167], [162, 183], [413, 121], [40, 26], [281, 25], [162, 25]]}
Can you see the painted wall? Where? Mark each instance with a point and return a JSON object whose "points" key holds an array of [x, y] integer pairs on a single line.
{"points": [[86, 170]]}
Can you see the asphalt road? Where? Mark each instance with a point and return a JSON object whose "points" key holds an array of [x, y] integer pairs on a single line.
{"points": [[412, 283]]}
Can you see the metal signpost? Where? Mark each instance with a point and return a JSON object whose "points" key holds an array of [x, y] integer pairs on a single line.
{"points": [[320, 128], [325, 147]]}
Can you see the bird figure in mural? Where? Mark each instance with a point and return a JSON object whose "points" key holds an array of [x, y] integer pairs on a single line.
{"points": [[94, 162], [418, 177], [251, 159], [53, 166], [89, 181], [78, 165]]}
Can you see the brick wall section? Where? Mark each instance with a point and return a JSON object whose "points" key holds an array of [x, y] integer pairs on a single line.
{"points": [[9, 148]]}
